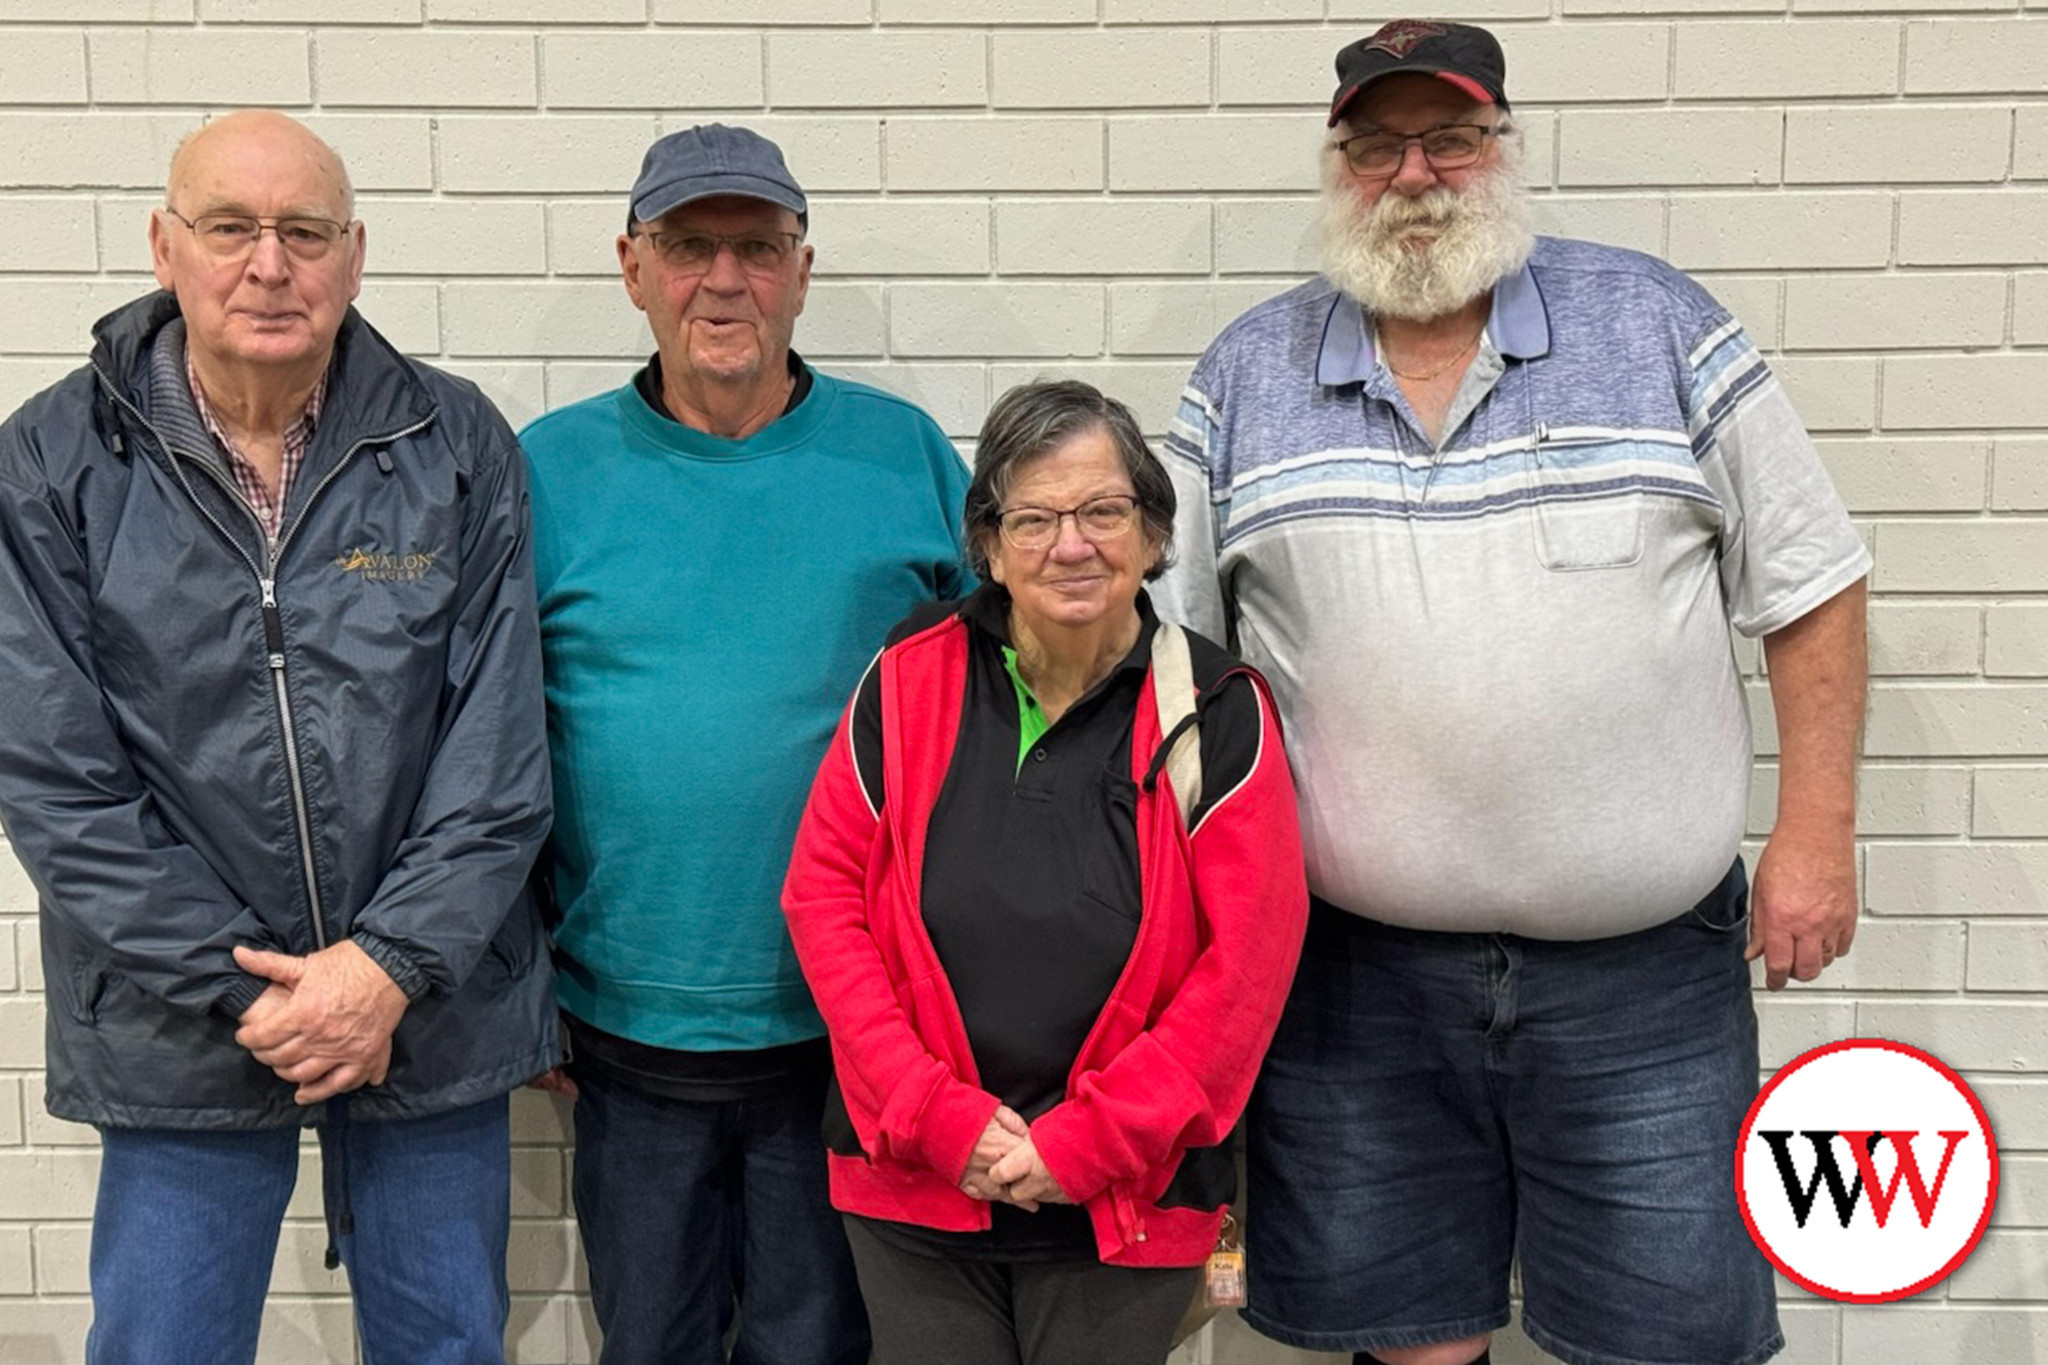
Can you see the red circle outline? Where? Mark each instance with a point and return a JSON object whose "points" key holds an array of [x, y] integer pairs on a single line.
{"points": [[1879, 1045]]}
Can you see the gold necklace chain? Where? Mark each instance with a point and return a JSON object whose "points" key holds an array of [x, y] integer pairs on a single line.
{"points": [[1428, 375]]}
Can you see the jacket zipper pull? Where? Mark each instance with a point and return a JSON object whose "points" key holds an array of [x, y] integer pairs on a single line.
{"points": [[273, 624]]}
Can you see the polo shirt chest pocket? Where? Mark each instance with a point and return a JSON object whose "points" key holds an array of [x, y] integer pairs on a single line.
{"points": [[1588, 504]]}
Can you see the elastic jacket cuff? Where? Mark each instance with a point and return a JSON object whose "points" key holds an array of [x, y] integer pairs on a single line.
{"points": [[242, 991], [396, 962]]}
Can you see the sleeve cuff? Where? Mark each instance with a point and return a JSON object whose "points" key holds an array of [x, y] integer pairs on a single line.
{"points": [[241, 993], [952, 1125], [397, 964], [1062, 1141]]}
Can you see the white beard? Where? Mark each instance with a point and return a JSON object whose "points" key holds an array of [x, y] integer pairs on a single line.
{"points": [[1481, 236]]}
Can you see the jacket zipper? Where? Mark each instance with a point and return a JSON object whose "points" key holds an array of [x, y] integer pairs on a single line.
{"points": [[273, 644], [273, 620], [273, 641]]}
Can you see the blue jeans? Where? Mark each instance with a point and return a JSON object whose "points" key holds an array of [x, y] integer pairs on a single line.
{"points": [[186, 1229], [687, 1208], [1436, 1106]]}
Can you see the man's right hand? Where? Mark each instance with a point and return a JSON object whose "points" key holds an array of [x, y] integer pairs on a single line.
{"points": [[1005, 1130]]}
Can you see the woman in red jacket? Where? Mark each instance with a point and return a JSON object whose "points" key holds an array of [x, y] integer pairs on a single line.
{"points": [[1049, 972]]}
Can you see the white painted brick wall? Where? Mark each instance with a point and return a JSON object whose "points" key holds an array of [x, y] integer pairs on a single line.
{"points": [[636, 71], [43, 66], [1865, 144], [1784, 59], [1006, 189], [2016, 640], [1607, 147], [898, 237], [172, 66], [995, 154]]}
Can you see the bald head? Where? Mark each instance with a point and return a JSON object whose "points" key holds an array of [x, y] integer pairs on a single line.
{"points": [[262, 146], [262, 309]]}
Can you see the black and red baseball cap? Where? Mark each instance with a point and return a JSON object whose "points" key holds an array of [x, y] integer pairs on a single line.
{"points": [[1469, 58]]}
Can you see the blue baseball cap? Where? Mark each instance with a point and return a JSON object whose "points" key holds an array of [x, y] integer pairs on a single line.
{"points": [[713, 159]]}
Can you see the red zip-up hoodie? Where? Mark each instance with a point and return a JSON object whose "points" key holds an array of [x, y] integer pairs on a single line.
{"points": [[1171, 1059]]}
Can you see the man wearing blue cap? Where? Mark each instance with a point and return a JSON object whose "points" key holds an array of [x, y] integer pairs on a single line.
{"points": [[720, 547], [1483, 506]]}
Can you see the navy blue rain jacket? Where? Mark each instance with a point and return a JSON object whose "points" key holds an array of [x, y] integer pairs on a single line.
{"points": [[206, 740]]}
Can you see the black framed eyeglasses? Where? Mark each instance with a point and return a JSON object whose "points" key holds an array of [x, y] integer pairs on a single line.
{"points": [[230, 236], [1447, 147], [1098, 519]]}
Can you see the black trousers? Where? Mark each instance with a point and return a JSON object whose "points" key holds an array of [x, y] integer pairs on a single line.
{"points": [[925, 1310]]}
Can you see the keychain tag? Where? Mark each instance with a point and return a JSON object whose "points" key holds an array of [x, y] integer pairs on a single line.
{"points": [[1223, 1279], [1223, 1274]]}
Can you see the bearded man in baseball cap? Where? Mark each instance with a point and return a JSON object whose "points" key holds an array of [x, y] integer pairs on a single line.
{"points": [[1482, 506]]}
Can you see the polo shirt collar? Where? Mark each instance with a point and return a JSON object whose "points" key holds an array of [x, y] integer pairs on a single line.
{"points": [[1519, 326]]}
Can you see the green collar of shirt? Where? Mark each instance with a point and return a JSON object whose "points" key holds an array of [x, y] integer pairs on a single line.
{"points": [[1031, 721]]}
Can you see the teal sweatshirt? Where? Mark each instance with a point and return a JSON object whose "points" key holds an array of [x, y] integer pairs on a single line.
{"points": [[707, 607]]}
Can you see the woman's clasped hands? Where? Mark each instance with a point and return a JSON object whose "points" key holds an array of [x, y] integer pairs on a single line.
{"points": [[1006, 1166]]}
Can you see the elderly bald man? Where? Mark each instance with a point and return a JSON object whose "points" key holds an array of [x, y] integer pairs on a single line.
{"points": [[274, 759]]}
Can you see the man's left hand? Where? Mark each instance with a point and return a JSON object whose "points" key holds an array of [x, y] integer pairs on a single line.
{"points": [[1802, 906], [333, 1033]]}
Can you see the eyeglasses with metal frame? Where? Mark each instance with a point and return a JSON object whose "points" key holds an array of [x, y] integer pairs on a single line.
{"points": [[1447, 147], [1098, 520], [759, 253], [229, 236]]}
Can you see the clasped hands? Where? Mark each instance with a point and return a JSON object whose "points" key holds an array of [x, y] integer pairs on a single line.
{"points": [[1006, 1167], [324, 1022]]}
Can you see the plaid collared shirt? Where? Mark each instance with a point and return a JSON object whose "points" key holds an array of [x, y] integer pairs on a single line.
{"points": [[269, 508]]}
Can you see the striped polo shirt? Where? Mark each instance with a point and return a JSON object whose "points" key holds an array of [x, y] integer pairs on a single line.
{"points": [[1503, 659]]}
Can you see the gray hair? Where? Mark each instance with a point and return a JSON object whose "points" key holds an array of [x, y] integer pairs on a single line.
{"points": [[1036, 419]]}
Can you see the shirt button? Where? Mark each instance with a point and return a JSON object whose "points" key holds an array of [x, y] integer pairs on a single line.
{"points": [[1038, 755]]}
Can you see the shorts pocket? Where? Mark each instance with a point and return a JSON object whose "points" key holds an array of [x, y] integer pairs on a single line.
{"points": [[1725, 909]]}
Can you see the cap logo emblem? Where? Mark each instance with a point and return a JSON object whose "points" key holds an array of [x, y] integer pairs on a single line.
{"points": [[1403, 36]]}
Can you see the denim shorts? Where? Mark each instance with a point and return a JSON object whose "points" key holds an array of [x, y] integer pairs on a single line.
{"points": [[1437, 1107]]}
